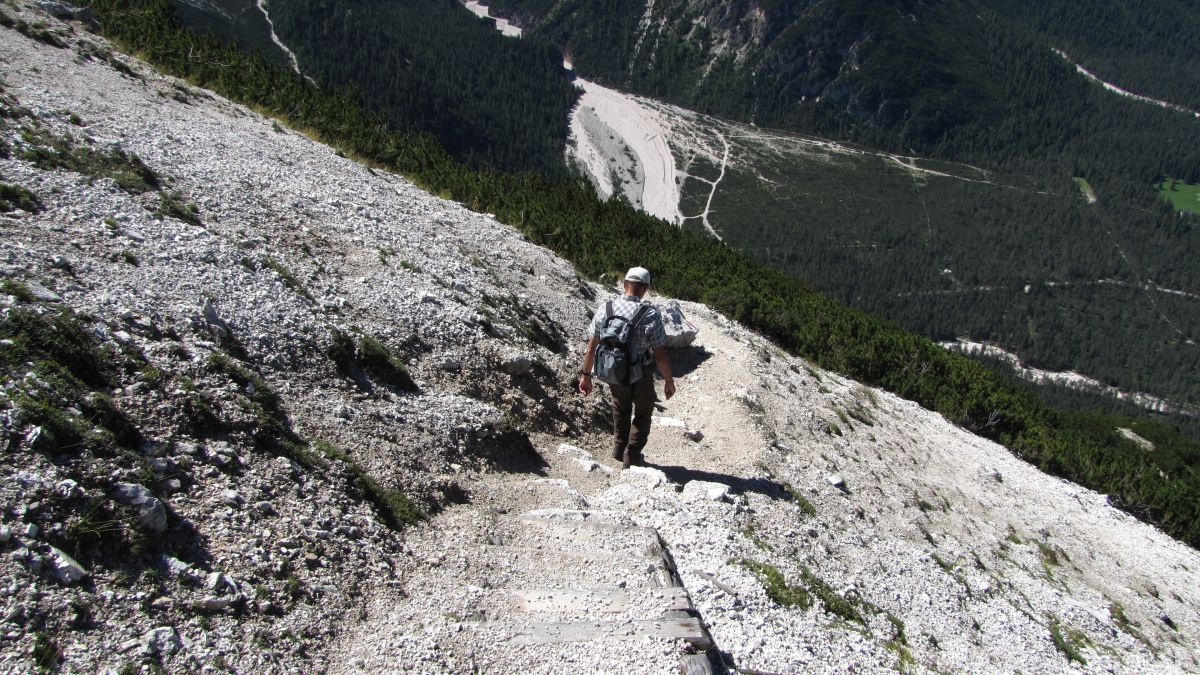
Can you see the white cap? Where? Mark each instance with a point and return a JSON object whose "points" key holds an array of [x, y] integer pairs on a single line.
{"points": [[638, 275]]}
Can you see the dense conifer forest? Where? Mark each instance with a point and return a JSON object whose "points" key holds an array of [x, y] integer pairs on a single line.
{"points": [[599, 237], [431, 66]]}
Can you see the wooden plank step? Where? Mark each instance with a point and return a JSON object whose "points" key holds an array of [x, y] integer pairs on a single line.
{"points": [[688, 630], [598, 600]]}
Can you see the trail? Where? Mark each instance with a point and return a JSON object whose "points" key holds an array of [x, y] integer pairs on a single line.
{"points": [[589, 568], [713, 189]]}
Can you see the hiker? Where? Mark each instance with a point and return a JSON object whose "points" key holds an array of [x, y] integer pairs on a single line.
{"points": [[647, 338]]}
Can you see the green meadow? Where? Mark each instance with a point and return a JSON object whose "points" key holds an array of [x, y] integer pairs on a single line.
{"points": [[1183, 196]]}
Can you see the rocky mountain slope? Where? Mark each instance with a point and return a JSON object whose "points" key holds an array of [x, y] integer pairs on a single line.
{"points": [[236, 365]]}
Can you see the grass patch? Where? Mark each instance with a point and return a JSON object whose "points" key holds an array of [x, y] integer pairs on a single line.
{"points": [[171, 204], [530, 321], [395, 508], [46, 652], [806, 506], [18, 290], [848, 609], [756, 540], [57, 365], [1049, 558], [287, 277], [777, 587], [272, 430], [15, 197], [49, 151], [35, 31], [370, 355], [1070, 643], [1181, 195]]}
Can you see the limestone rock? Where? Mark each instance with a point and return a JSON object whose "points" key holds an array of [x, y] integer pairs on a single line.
{"points": [[160, 641], [697, 490], [66, 570], [680, 331], [151, 513], [517, 363]]}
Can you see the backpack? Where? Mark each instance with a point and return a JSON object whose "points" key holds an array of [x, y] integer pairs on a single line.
{"points": [[615, 361]]}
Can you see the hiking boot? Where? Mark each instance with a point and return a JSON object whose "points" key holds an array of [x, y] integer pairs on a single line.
{"points": [[632, 458], [618, 454]]}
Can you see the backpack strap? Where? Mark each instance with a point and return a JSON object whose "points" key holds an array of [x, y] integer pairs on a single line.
{"points": [[637, 318], [638, 315]]}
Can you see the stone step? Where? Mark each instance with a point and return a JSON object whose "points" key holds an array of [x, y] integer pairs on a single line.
{"points": [[688, 630], [617, 601]]}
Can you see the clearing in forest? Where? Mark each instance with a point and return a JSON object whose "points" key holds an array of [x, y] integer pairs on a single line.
{"points": [[1183, 196]]}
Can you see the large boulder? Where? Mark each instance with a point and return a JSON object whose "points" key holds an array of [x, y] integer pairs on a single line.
{"points": [[680, 331]]}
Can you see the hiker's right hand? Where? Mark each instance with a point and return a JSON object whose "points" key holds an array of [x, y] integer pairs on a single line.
{"points": [[585, 385]]}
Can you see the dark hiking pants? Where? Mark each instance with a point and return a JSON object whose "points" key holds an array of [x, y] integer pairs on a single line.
{"points": [[636, 399]]}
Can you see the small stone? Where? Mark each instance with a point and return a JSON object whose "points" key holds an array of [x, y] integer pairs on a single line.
{"points": [[265, 508], [568, 449], [230, 497], [588, 465], [42, 293], [650, 477], [214, 581], [151, 512], [450, 364], [15, 614], [215, 604], [66, 488], [516, 363], [697, 490], [161, 640], [694, 435], [161, 465], [6, 534], [66, 570], [36, 438], [31, 531]]}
